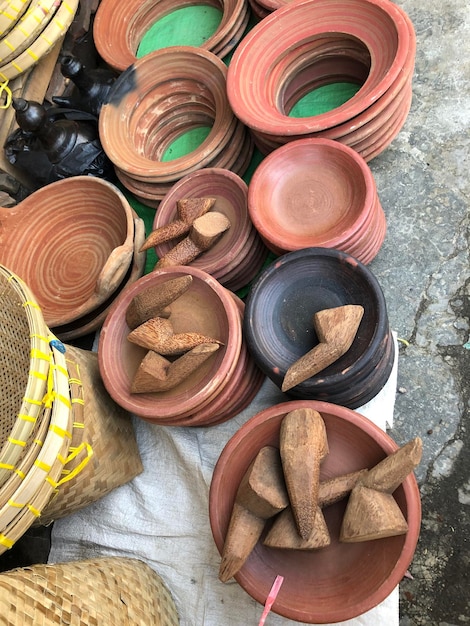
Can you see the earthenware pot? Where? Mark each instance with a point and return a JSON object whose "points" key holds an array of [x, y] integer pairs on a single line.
{"points": [[343, 580], [72, 242]]}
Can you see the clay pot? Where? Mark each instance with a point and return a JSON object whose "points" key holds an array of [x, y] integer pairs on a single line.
{"points": [[316, 192], [206, 307], [72, 242], [160, 99], [235, 255], [322, 47], [119, 27], [278, 324], [343, 580]]}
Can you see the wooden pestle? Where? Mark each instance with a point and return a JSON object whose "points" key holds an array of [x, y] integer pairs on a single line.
{"points": [[157, 334], [372, 512], [153, 302], [261, 494], [204, 233], [284, 532], [336, 329], [303, 445], [188, 209], [155, 373]]}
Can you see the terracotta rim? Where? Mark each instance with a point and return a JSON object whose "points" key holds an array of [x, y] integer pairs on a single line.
{"points": [[383, 28]]}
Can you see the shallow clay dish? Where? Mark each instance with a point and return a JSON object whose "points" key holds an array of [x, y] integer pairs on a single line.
{"points": [[206, 307], [72, 242], [311, 192], [278, 324], [339, 582]]}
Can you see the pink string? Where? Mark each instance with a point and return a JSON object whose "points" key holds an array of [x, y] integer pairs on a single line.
{"points": [[271, 597]]}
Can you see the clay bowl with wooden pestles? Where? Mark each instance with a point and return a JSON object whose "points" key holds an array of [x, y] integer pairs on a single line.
{"points": [[342, 579]]}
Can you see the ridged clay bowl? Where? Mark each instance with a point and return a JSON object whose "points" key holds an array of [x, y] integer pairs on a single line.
{"points": [[231, 256], [278, 324], [119, 27], [160, 97], [207, 308], [343, 580], [72, 242], [373, 47], [315, 192]]}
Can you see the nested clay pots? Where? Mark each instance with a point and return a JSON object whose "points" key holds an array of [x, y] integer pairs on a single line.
{"points": [[161, 98], [317, 192], [237, 257], [205, 397], [119, 26], [373, 47], [279, 327], [73, 243]]}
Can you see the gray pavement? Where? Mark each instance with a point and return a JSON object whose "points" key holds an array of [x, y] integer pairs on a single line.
{"points": [[423, 181]]}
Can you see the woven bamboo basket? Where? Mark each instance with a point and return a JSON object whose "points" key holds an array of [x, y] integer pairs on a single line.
{"points": [[109, 590], [36, 415], [25, 358], [56, 28], [103, 442], [10, 12]]}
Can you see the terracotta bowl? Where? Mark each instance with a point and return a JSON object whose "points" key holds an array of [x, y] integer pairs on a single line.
{"points": [[93, 320], [119, 27], [72, 242], [339, 582], [312, 192], [254, 86], [278, 324], [206, 307], [230, 191], [161, 97]]}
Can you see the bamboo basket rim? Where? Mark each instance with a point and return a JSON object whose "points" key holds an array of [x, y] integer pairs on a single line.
{"points": [[53, 32], [10, 13], [43, 476], [41, 354], [27, 29], [32, 512]]}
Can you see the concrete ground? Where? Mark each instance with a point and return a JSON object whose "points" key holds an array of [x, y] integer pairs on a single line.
{"points": [[423, 182]]}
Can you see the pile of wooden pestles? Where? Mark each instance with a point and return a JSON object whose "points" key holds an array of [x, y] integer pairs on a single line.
{"points": [[284, 484], [171, 356]]}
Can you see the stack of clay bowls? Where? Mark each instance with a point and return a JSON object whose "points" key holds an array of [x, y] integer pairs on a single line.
{"points": [[120, 25], [219, 389], [279, 326], [237, 257], [156, 102], [369, 43], [29, 31], [75, 243], [317, 192]]}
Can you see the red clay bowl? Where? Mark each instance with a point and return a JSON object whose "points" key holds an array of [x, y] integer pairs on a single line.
{"points": [[119, 27], [206, 307], [311, 192], [341, 581], [255, 87], [72, 242], [141, 118]]}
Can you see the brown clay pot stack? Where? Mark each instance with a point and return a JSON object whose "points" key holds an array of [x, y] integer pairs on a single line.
{"points": [[156, 100], [119, 27], [240, 253], [217, 390], [317, 192], [370, 43], [75, 243]]}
